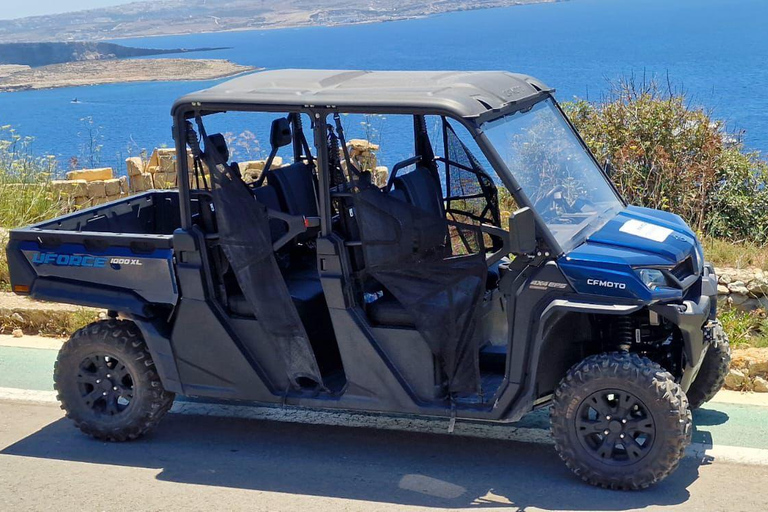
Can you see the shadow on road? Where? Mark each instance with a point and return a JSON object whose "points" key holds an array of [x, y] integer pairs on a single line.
{"points": [[709, 417], [384, 466]]}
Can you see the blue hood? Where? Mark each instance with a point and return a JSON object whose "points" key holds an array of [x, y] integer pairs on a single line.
{"points": [[636, 237]]}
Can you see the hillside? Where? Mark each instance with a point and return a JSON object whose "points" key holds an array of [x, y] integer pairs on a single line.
{"points": [[43, 54], [167, 17]]}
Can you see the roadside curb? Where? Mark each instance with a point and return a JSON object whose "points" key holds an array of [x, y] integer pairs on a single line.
{"points": [[702, 452]]}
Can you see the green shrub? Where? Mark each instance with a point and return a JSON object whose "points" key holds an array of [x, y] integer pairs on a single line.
{"points": [[25, 194], [669, 155], [744, 329]]}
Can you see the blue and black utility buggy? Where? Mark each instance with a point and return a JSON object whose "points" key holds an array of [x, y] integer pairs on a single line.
{"points": [[317, 285]]}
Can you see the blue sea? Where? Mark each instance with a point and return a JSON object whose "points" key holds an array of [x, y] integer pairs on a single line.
{"points": [[714, 50]]}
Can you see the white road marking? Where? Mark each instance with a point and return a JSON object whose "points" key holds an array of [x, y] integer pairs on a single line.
{"points": [[730, 454], [27, 395], [29, 341]]}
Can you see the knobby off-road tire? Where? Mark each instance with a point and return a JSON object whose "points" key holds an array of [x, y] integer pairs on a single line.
{"points": [[107, 382], [620, 421], [714, 369]]}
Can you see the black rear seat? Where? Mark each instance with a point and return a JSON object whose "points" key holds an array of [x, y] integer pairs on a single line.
{"points": [[291, 190], [295, 186], [267, 195]]}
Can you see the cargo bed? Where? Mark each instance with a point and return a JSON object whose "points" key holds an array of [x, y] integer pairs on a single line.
{"points": [[118, 253]]}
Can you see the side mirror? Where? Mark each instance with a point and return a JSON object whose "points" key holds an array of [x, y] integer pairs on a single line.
{"points": [[522, 232], [280, 134]]}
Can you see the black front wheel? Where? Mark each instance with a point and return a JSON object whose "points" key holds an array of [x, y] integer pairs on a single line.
{"points": [[107, 382], [620, 421]]}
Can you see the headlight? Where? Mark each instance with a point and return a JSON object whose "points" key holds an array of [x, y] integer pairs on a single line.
{"points": [[652, 277]]}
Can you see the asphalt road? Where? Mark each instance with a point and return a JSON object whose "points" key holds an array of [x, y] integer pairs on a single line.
{"points": [[208, 462]]}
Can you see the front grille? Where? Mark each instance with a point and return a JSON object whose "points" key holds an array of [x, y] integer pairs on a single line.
{"points": [[683, 269]]}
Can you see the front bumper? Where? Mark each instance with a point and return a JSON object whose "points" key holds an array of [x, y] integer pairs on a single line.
{"points": [[693, 318]]}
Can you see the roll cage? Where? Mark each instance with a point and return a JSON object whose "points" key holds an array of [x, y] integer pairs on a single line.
{"points": [[185, 113]]}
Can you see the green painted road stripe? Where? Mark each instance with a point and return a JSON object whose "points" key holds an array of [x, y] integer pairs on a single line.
{"points": [[732, 425], [27, 368], [715, 424]]}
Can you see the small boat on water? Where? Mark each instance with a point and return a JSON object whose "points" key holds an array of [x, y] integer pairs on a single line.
{"points": [[75, 101]]}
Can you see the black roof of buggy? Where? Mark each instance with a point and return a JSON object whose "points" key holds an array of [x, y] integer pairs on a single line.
{"points": [[462, 93]]}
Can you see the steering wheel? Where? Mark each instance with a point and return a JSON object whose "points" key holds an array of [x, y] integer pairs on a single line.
{"points": [[552, 198]]}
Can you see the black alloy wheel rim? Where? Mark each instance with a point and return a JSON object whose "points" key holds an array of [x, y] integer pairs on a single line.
{"points": [[615, 427], [105, 385]]}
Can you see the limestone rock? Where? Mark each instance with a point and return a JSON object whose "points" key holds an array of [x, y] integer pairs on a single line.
{"points": [[735, 379], [362, 145], [140, 182], [162, 160], [738, 287], [112, 187], [134, 165], [83, 201], [760, 385], [758, 287], [124, 188], [722, 289], [758, 367], [91, 174], [164, 180], [18, 333], [381, 175], [97, 189], [69, 188]]}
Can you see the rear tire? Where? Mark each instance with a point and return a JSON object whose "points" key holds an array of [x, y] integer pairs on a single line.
{"points": [[107, 382], [714, 369], [620, 421]]}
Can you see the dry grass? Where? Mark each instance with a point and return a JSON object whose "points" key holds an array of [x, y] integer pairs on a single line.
{"points": [[723, 253]]}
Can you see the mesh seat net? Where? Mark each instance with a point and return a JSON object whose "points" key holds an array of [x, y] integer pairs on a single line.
{"points": [[422, 259], [245, 238]]}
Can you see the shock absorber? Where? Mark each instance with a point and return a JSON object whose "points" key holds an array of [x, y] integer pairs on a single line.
{"points": [[624, 333]]}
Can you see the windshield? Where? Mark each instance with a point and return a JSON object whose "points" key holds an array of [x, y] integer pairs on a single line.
{"points": [[555, 171]]}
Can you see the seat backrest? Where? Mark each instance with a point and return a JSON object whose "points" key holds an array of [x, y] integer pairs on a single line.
{"points": [[267, 195], [220, 144], [421, 190], [295, 188]]}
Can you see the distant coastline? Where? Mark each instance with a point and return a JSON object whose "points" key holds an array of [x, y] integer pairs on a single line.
{"points": [[152, 18], [99, 72], [46, 53]]}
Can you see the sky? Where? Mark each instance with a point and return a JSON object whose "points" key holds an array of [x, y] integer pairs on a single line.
{"points": [[20, 8]]}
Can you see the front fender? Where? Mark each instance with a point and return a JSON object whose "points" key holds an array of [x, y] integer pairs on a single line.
{"points": [[689, 317]]}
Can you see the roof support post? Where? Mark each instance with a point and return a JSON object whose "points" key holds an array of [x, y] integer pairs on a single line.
{"points": [[321, 149], [182, 167]]}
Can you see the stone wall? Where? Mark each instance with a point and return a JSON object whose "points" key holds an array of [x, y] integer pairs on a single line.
{"points": [[91, 187], [745, 288]]}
